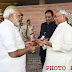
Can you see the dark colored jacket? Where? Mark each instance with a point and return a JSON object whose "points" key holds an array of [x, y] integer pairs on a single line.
{"points": [[49, 29]]}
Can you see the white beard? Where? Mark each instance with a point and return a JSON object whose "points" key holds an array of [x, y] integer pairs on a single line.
{"points": [[16, 21]]}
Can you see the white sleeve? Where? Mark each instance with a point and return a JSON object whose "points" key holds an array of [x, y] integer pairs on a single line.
{"points": [[67, 42], [9, 41], [19, 42]]}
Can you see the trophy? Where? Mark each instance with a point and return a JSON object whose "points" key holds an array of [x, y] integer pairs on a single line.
{"points": [[34, 42]]}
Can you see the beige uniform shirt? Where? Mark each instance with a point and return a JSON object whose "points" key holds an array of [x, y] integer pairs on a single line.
{"points": [[31, 32], [23, 34]]}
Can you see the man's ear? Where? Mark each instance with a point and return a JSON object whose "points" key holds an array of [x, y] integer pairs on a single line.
{"points": [[11, 17]]}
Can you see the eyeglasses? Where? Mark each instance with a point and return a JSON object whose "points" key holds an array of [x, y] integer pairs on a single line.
{"points": [[57, 16]]}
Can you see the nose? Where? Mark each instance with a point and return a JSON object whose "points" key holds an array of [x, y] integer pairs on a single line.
{"points": [[47, 18]]}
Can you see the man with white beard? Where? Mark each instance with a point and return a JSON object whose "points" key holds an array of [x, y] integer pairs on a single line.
{"points": [[12, 47], [59, 47]]}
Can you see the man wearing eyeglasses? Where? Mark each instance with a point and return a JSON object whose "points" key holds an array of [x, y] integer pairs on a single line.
{"points": [[59, 47]]}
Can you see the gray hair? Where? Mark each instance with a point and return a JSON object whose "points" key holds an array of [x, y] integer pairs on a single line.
{"points": [[9, 10], [63, 11]]}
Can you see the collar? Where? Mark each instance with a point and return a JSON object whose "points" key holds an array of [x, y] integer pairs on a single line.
{"points": [[8, 21], [63, 23], [51, 23]]}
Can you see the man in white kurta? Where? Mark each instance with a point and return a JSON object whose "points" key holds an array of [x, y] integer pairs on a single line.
{"points": [[59, 47], [10, 40], [60, 54], [12, 47]]}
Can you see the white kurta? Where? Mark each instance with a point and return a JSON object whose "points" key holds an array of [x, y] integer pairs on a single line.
{"points": [[10, 40], [60, 54]]}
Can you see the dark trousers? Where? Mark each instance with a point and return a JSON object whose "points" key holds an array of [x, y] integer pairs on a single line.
{"points": [[42, 60], [42, 54]]}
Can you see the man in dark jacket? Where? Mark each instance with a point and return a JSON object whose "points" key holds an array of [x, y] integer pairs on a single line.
{"points": [[47, 29]]}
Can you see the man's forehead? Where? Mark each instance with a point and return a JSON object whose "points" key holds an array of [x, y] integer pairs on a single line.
{"points": [[48, 14]]}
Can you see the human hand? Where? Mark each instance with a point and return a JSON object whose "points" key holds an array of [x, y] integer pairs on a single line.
{"points": [[47, 43], [32, 49], [40, 43], [28, 44], [46, 39]]}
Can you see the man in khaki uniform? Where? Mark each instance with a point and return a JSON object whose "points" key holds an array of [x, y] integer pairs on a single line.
{"points": [[27, 31], [31, 30], [1, 15], [24, 32], [23, 28]]}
